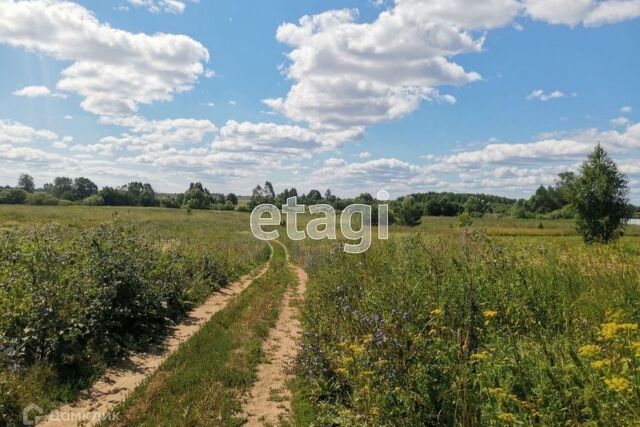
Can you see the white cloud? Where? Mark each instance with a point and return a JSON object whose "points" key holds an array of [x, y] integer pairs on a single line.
{"points": [[364, 155], [346, 74], [12, 132], [36, 91], [114, 70], [626, 109], [68, 117], [157, 6], [590, 13], [619, 121], [540, 95]]}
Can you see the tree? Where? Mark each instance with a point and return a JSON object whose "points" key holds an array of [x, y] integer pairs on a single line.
{"points": [[83, 188], [475, 205], [314, 197], [148, 196], [232, 198], [268, 193], [600, 198], [62, 187], [26, 183], [409, 212], [197, 197]]}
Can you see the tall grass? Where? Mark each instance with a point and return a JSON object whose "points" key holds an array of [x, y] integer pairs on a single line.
{"points": [[470, 330], [76, 299]]}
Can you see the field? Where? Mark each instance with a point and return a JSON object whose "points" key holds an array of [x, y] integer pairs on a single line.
{"points": [[505, 322]]}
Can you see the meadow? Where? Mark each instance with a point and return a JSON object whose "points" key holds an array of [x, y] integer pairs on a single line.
{"points": [[502, 322], [506, 322], [80, 287]]}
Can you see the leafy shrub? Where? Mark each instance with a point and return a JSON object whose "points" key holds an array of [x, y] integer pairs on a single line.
{"points": [[42, 199], [13, 196], [94, 200]]}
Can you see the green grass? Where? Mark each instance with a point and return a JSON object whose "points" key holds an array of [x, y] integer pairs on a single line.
{"points": [[202, 383]]}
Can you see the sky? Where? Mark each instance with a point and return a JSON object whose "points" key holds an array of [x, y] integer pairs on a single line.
{"points": [[497, 96]]}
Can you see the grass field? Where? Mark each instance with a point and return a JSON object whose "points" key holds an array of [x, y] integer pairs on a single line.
{"points": [[80, 287], [506, 322]]}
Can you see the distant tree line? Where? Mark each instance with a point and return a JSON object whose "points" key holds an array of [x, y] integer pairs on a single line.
{"points": [[83, 191]]}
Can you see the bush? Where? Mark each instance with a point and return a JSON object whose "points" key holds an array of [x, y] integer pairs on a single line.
{"points": [[13, 196], [42, 199], [94, 200], [464, 220], [63, 202]]}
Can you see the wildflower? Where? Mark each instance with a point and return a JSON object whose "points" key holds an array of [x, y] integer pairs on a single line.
{"points": [[636, 346], [357, 349], [588, 350], [342, 371], [599, 364], [612, 329], [618, 384], [375, 411], [480, 356], [436, 312], [507, 417], [489, 314]]}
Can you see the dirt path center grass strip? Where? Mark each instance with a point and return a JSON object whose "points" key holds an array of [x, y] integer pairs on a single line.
{"points": [[202, 383], [269, 400]]}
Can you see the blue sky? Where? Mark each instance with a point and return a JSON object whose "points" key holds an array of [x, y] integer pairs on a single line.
{"points": [[411, 95]]}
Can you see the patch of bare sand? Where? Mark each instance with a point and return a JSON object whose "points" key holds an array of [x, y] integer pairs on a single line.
{"points": [[117, 382], [270, 399]]}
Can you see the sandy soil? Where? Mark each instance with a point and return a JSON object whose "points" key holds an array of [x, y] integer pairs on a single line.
{"points": [[118, 382], [269, 398]]}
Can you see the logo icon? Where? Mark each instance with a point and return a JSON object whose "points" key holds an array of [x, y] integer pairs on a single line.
{"points": [[31, 414]]}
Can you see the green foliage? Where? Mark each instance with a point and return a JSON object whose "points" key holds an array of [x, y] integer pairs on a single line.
{"points": [[26, 183], [41, 199], [408, 212], [600, 198], [94, 200], [13, 196], [464, 220], [471, 331]]}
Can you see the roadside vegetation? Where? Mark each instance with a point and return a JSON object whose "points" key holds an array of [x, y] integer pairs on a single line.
{"points": [[203, 383], [76, 298]]}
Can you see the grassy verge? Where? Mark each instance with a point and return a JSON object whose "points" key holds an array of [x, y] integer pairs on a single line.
{"points": [[202, 383]]}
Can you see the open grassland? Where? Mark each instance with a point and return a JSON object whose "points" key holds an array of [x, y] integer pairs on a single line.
{"points": [[503, 324], [81, 287], [202, 384]]}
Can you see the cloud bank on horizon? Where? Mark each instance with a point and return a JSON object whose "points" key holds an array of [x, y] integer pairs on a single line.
{"points": [[348, 79]]}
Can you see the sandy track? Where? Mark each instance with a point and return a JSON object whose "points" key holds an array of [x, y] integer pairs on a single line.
{"points": [[119, 381], [269, 398]]}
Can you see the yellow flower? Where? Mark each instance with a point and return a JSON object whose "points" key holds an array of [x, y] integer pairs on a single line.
{"points": [[375, 411], [610, 330], [636, 346], [599, 364], [588, 350], [347, 360], [618, 384], [489, 313], [357, 349], [507, 417], [436, 312], [342, 371], [480, 356]]}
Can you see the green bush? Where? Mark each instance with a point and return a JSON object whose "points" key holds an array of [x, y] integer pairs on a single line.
{"points": [[42, 199], [94, 200], [13, 196]]}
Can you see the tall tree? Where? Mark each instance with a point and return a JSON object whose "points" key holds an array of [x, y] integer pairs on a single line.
{"points": [[83, 188], [600, 198], [26, 183]]}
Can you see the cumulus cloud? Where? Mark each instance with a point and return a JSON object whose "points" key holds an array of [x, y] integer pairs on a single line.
{"points": [[36, 91], [114, 70], [346, 74], [626, 109], [541, 96], [619, 121], [364, 155], [590, 13], [157, 6], [12, 132]]}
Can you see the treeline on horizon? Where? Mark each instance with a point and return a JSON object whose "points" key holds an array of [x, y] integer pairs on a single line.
{"points": [[550, 202]]}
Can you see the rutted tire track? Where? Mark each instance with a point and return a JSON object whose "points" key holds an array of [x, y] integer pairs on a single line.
{"points": [[117, 382], [269, 399]]}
